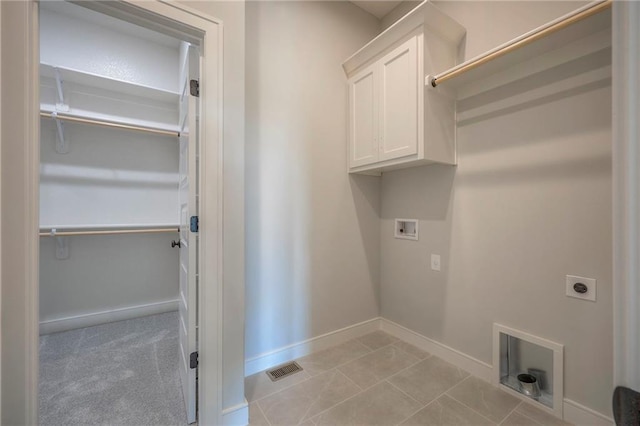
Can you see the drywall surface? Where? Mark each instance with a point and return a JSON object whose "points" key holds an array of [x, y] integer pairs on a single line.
{"points": [[491, 23], [232, 15], [105, 273], [87, 41], [312, 230], [397, 12], [109, 177], [528, 203]]}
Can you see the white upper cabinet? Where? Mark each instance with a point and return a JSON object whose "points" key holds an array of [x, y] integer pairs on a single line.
{"points": [[392, 124], [363, 117], [398, 124]]}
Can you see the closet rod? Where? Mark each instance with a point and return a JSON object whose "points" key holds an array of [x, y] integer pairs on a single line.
{"points": [[543, 32], [105, 123], [55, 233]]}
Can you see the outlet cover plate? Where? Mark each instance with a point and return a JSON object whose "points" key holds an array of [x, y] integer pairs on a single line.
{"points": [[435, 262], [589, 282]]}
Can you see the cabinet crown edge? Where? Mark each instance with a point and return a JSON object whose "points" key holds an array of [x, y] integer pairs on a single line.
{"points": [[425, 15]]}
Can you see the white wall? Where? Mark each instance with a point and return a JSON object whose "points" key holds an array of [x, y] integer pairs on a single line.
{"points": [[109, 176], [312, 230], [84, 40], [528, 203]]}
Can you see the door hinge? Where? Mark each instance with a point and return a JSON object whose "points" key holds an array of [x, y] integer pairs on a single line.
{"points": [[194, 88], [194, 224], [193, 360]]}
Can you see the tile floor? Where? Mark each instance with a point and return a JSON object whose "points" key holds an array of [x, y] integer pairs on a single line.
{"points": [[380, 380]]}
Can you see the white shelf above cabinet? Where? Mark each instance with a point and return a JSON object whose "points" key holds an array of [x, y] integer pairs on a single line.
{"points": [[394, 122], [106, 83], [582, 32]]}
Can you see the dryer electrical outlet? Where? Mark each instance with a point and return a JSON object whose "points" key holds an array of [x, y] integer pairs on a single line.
{"points": [[581, 287]]}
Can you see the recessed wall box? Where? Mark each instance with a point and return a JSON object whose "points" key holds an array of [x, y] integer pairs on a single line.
{"points": [[406, 229], [529, 367]]}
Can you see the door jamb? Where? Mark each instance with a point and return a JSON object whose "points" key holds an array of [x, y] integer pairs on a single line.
{"points": [[188, 22]]}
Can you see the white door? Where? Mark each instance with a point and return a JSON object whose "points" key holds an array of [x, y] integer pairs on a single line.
{"points": [[187, 195], [398, 136], [363, 146]]}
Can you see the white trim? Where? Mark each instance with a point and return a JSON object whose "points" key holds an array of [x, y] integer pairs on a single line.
{"points": [[626, 194], [315, 344], [472, 365], [20, 222], [103, 317], [22, 235], [578, 414], [236, 415], [573, 412]]}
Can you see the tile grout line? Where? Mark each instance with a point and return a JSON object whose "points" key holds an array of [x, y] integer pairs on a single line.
{"points": [[531, 418], [349, 379], [280, 390], [334, 406], [511, 412], [465, 405], [329, 382], [263, 414], [338, 403], [370, 351], [406, 394], [438, 397], [406, 368]]}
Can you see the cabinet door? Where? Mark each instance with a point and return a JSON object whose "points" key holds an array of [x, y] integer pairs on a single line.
{"points": [[363, 112], [398, 107]]}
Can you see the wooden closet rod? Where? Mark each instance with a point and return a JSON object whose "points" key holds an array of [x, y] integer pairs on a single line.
{"points": [[55, 233], [112, 124], [543, 32]]}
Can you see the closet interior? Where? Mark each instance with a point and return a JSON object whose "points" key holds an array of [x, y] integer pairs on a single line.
{"points": [[114, 190]]}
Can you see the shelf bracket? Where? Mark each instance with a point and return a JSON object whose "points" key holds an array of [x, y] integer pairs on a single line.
{"points": [[62, 144], [60, 105], [62, 248]]}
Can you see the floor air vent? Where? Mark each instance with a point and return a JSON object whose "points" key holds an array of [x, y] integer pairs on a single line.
{"points": [[283, 371]]}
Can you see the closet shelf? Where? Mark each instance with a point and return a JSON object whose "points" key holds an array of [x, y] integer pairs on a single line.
{"points": [[107, 83], [587, 21], [65, 231], [49, 111]]}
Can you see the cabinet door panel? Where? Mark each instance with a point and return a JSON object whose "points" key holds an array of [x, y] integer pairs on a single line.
{"points": [[363, 146], [398, 136]]}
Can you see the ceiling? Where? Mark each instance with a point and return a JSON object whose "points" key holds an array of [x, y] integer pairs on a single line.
{"points": [[377, 8]]}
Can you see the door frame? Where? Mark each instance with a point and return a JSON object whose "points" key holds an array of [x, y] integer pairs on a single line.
{"points": [[20, 281]]}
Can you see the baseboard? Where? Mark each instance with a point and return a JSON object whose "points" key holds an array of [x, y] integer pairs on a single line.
{"points": [[578, 414], [297, 350], [459, 359], [238, 415], [573, 412], [97, 318]]}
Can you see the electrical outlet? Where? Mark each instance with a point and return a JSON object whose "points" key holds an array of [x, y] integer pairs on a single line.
{"points": [[581, 287], [435, 262]]}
